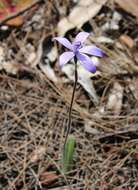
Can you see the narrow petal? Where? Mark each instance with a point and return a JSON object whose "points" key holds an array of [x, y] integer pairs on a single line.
{"points": [[65, 42], [81, 37], [87, 63], [65, 57], [92, 50]]}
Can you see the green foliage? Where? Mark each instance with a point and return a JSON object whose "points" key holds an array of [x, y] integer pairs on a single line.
{"points": [[68, 153]]}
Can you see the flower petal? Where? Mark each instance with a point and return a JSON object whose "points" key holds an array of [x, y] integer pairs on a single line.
{"points": [[92, 50], [87, 63], [81, 37], [65, 57], [65, 42]]}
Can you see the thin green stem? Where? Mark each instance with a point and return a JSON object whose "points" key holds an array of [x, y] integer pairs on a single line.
{"points": [[71, 104]]}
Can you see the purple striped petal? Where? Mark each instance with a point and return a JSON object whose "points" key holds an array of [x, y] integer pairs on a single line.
{"points": [[87, 63], [92, 50], [81, 37], [65, 42], [65, 57]]}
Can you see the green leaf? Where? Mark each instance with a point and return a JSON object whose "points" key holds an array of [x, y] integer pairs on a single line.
{"points": [[68, 153]]}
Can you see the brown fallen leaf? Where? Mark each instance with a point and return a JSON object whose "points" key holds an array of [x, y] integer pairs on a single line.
{"points": [[9, 8], [127, 41], [130, 6], [47, 178]]}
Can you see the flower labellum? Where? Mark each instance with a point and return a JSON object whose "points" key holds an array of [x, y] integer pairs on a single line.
{"points": [[76, 49]]}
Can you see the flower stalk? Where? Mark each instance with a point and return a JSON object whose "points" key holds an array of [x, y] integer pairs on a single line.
{"points": [[71, 104]]}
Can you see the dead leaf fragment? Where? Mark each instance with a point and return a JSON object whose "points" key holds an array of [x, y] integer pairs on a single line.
{"points": [[48, 178], [49, 72], [37, 154], [9, 66], [81, 13], [104, 39], [16, 21], [89, 128], [53, 54], [133, 86], [115, 98], [134, 155], [131, 6], [135, 54], [127, 40]]}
